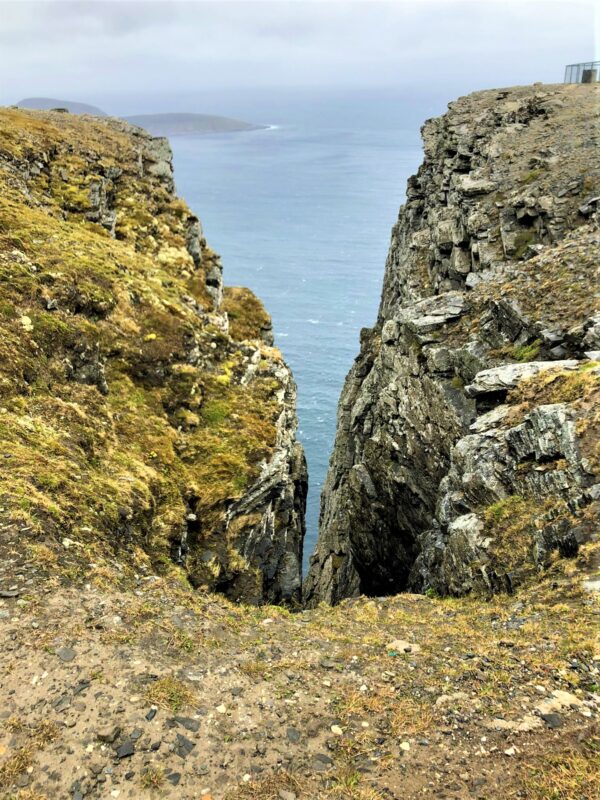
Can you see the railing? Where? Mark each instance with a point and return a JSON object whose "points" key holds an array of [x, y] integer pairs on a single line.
{"points": [[586, 72]]}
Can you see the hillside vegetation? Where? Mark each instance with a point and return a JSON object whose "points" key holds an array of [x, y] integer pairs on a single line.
{"points": [[135, 422], [152, 640]]}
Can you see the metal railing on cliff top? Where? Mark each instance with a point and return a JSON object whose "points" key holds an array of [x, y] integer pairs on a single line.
{"points": [[586, 72]]}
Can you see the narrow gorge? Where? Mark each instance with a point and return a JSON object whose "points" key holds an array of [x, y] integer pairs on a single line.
{"points": [[156, 640]]}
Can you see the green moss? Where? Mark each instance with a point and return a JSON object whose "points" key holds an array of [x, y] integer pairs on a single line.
{"points": [[527, 352], [503, 510], [531, 176], [247, 316], [522, 241], [7, 310], [511, 524], [115, 472], [215, 412]]}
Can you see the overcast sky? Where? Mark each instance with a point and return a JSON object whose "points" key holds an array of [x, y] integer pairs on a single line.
{"points": [[135, 54]]}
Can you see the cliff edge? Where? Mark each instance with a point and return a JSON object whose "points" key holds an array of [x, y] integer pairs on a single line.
{"points": [[147, 422], [467, 449], [148, 458]]}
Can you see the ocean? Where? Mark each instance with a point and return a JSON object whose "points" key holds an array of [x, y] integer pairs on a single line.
{"points": [[301, 213]]}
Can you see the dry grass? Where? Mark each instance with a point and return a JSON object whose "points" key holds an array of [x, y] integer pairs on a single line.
{"points": [[411, 718], [14, 724], [153, 777], [38, 737], [247, 316], [16, 765], [268, 788], [556, 386], [25, 794], [574, 775], [170, 692], [347, 785], [344, 785], [511, 523], [553, 286], [404, 715], [256, 669]]}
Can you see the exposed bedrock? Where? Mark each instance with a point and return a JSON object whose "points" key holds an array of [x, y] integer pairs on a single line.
{"points": [[466, 453]]}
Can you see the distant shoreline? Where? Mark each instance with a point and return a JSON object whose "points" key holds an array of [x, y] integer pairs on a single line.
{"points": [[201, 133], [159, 124], [184, 124]]}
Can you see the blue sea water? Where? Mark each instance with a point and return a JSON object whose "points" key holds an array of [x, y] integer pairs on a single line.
{"points": [[301, 213]]}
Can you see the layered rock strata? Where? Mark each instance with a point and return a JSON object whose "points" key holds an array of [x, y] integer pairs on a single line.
{"points": [[467, 451]]}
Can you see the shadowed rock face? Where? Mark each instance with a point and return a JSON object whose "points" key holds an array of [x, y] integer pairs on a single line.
{"points": [[147, 423], [466, 450]]}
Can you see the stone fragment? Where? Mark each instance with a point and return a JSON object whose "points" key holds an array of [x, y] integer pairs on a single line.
{"points": [[471, 186], [126, 750], [527, 723], [433, 312], [500, 379], [293, 735], [448, 699], [108, 734], [183, 746], [402, 646], [188, 723], [558, 700], [65, 653], [552, 719]]}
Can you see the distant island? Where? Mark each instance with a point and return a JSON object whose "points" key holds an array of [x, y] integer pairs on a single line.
{"points": [[175, 124], [49, 103], [180, 124]]}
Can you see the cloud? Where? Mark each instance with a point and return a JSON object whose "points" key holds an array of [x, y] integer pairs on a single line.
{"points": [[86, 50]]}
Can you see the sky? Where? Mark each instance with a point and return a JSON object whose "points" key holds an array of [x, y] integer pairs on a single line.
{"points": [[156, 56]]}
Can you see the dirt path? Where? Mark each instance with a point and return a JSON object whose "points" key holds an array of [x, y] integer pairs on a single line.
{"points": [[154, 691]]}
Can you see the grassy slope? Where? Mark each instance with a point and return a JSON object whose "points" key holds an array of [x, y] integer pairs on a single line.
{"points": [[116, 467]]}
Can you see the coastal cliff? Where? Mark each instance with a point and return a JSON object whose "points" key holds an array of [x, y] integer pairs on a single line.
{"points": [[466, 454], [147, 422], [150, 480]]}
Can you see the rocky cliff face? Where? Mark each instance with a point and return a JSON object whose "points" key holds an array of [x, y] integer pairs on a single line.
{"points": [[467, 450], [147, 449], [146, 422]]}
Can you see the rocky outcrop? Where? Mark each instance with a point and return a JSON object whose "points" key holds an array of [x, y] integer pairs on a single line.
{"points": [[147, 424], [466, 452]]}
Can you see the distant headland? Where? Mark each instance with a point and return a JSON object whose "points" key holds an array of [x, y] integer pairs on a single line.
{"points": [[181, 124], [49, 103], [173, 124]]}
